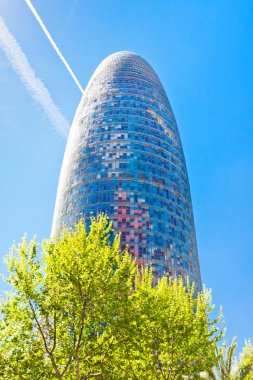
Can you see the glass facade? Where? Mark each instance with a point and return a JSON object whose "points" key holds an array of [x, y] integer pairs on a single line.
{"points": [[124, 157]]}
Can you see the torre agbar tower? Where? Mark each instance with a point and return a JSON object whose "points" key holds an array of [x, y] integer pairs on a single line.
{"points": [[124, 158]]}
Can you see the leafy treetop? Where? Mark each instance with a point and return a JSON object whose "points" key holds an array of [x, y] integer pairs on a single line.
{"points": [[80, 309]]}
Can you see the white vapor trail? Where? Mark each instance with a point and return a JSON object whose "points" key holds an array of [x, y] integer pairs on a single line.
{"points": [[34, 12], [34, 85]]}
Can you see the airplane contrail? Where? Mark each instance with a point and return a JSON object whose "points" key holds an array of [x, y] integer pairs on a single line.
{"points": [[34, 12], [34, 85]]}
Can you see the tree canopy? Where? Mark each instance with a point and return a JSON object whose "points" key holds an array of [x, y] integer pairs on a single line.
{"points": [[79, 308]]}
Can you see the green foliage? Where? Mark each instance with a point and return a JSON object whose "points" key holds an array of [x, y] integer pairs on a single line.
{"points": [[224, 367], [245, 365], [80, 310], [228, 368], [172, 335]]}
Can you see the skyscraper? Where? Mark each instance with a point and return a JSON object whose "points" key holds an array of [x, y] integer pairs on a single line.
{"points": [[124, 157]]}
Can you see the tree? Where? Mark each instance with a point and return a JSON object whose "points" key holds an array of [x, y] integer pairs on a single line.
{"points": [[228, 368], [80, 309], [245, 365], [66, 308], [224, 369], [172, 335]]}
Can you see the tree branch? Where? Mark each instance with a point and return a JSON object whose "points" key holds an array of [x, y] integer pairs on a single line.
{"points": [[56, 369], [54, 335]]}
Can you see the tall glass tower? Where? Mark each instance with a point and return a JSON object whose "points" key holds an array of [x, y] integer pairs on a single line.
{"points": [[124, 157]]}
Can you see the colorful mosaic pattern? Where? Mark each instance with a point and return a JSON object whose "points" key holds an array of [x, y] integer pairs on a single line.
{"points": [[124, 157]]}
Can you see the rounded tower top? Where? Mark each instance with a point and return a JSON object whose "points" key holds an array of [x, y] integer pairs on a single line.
{"points": [[125, 67]]}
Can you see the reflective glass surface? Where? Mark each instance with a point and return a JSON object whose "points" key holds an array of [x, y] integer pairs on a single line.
{"points": [[124, 157]]}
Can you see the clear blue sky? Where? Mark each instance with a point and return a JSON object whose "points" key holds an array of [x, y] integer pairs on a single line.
{"points": [[203, 53]]}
